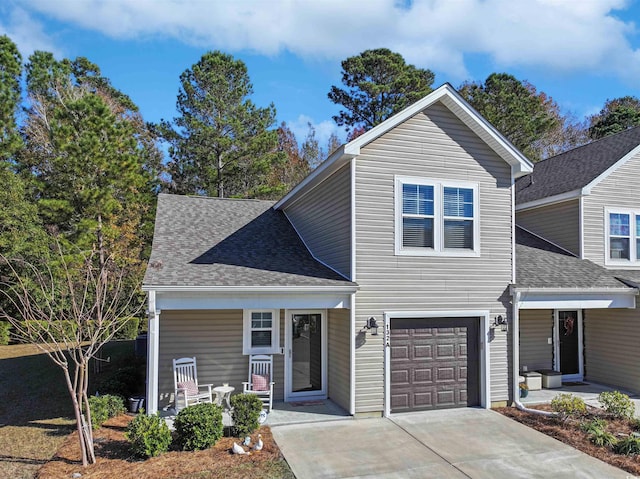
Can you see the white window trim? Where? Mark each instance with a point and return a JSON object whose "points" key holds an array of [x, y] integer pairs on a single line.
{"points": [[633, 259], [438, 223], [246, 332]]}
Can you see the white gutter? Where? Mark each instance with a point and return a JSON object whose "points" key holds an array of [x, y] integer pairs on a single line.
{"points": [[515, 341], [629, 291], [255, 289]]}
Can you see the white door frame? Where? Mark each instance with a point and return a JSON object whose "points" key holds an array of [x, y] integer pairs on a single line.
{"points": [[556, 345], [289, 395]]}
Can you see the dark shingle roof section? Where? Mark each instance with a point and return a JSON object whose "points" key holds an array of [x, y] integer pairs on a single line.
{"points": [[542, 265], [628, 276], [224, 242], [575, 168]]}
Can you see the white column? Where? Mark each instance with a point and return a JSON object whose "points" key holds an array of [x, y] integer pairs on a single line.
{"points": [[153, 348]]}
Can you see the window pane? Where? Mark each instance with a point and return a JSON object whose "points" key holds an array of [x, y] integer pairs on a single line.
{"points": [[618, 224], [638, 249], [458, 234], [417, 199], [417, 232], [619, 248], [638, 227], [458, 202], [260, 339]]}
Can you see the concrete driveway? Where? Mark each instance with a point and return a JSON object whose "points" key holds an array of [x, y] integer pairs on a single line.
{"points": [[457, 443]]}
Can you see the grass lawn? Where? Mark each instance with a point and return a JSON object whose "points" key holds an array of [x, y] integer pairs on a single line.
{"points": [[35, 410], [37, 432]]}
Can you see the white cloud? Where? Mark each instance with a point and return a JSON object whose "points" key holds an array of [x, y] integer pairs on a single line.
{"points": [[560, 35], [26, 33]]}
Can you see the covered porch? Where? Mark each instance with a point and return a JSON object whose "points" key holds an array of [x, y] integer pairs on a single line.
{"points": [[307, 333]]}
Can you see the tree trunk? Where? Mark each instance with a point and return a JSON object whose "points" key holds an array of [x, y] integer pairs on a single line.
{"points": [[78, 414]]}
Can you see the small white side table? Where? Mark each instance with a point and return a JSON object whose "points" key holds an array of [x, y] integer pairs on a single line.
{"points": [[223, 394]]}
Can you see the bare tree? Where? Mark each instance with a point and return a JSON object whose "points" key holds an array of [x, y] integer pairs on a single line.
{"points": [[69, 308]]}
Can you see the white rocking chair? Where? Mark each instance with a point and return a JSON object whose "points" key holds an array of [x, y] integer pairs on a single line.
{"points": [[185, 378], [260, 379]]}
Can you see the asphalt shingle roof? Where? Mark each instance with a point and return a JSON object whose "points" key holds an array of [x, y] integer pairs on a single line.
{"points": [[540, 264], [225, 242], [575, 168]]}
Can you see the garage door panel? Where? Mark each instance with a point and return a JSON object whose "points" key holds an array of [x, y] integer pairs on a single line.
{"points": [[436, 366]]}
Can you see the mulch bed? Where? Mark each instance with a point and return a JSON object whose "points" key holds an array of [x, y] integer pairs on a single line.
{"points": [[570, 433], [114, 458]]}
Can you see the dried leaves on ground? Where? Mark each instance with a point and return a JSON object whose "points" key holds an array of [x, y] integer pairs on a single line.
{"points": [[114, 459], [570, 433]]}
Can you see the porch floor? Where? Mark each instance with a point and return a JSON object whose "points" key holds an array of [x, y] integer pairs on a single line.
{"points": [[587, 390], [284, 413]]}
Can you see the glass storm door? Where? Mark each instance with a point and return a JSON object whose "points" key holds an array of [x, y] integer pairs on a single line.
{"points": [[568, 349], [306, 355]]}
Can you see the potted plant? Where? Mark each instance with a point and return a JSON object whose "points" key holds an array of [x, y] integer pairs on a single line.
{"points": [[524, 390]]}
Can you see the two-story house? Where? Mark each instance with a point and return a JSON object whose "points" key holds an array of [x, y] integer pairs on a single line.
{"points": [[382, 281], [578, 263]]}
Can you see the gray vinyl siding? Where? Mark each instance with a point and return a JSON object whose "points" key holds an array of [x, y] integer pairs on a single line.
{"points": [[433, 144], [339, 370], [214, 337], [619, 189], [558, 223], [612, 347], [322, 217], [536, 328]]}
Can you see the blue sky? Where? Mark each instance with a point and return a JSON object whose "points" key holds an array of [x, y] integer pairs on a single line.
{"points": [[581, 52]]}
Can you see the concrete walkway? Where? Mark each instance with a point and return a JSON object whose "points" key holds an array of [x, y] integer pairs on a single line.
{"points": [[457, 443]]}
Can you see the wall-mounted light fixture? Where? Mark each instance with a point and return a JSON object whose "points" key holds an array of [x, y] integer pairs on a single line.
{"points": [[372, 325]]}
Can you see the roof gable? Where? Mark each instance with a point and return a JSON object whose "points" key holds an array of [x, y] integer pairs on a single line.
{"points": [[449, 97], [575, 172]]}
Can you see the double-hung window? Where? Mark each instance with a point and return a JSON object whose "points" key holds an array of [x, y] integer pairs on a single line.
{"points": [[436, 217], [261, 331], [622, 236]]}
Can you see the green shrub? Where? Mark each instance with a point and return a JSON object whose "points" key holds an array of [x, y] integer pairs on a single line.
{"points": [[629, 446], [56, 330], [125, 381], [617, 404], [635, 423], [5, 328], [129, 330], [149, 435], [245, 414], [105, 407], [198, 427], [568, 405], [594, 426], [602, 438]]}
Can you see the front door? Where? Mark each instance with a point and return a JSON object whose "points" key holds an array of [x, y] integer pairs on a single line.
{"points": [[306, 353], [568, 344]]}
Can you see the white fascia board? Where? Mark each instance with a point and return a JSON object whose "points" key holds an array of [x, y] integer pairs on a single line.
{"points": [[549, 200], [563, 298], [587, 189], [254, 289], [203, 301]]}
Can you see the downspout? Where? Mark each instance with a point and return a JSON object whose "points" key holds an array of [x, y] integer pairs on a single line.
{"points": [[515, 341]]}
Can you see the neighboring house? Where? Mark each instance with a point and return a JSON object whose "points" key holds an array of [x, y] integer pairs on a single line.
{"points": [[408, 227], [578, 262]]}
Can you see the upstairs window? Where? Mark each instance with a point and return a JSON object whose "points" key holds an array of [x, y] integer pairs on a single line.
{"points": [[623, 236], [436, 217]]}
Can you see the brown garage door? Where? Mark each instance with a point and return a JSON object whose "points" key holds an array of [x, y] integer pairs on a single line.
{"points": [[434, 363]]}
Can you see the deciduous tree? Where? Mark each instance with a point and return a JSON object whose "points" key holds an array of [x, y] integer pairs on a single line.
{"points": [[378, 83]]}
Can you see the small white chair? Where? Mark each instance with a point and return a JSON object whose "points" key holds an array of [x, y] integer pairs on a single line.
{"points": [[260, 379], [185, 378]]}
